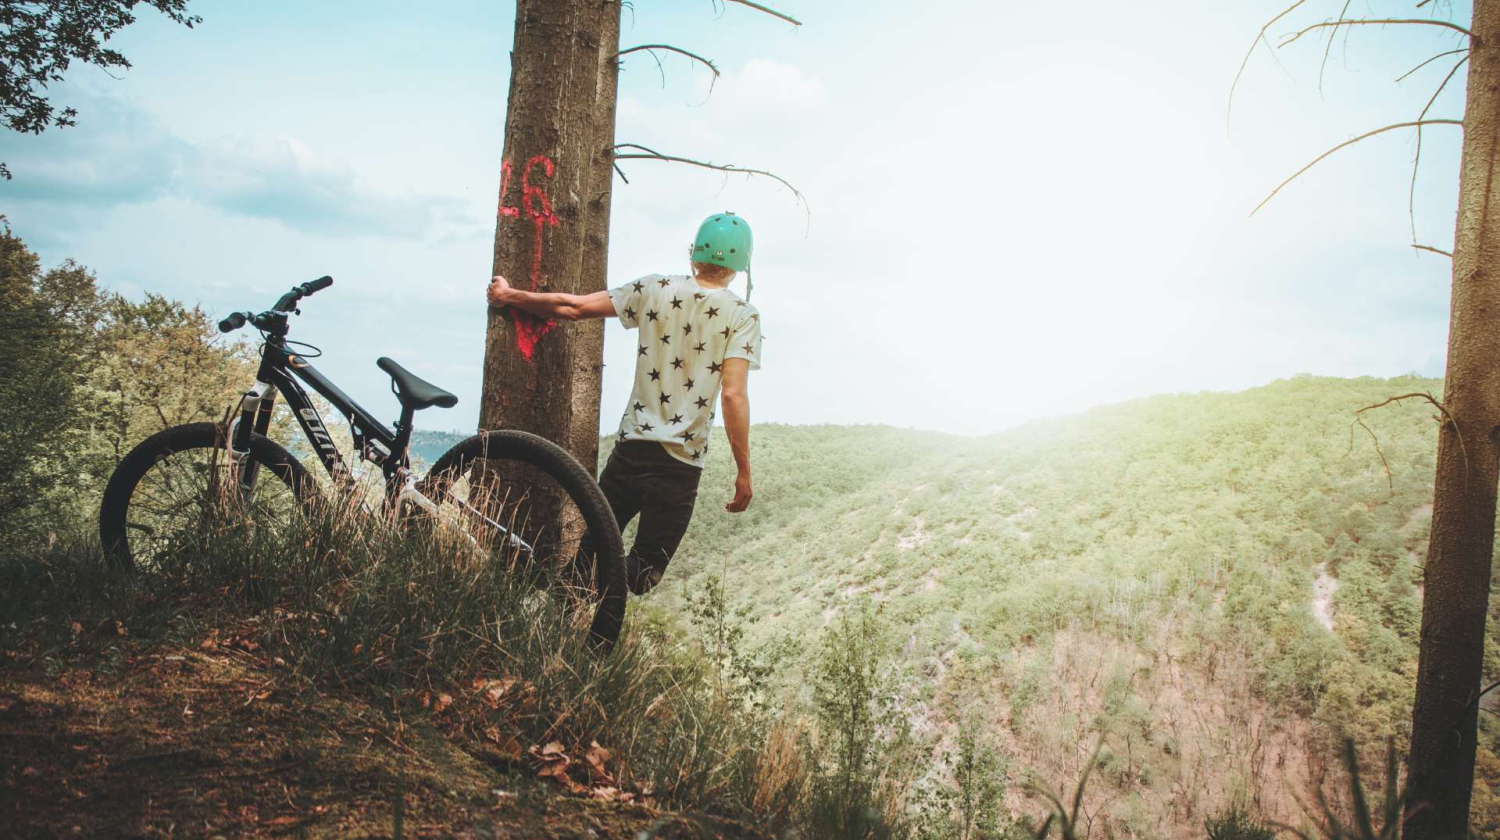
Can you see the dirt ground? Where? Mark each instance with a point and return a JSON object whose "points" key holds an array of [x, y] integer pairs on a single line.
{"points": [[178, 743]]}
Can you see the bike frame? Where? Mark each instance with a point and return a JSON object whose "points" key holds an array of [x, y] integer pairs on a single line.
{"points": [[280, 371]]}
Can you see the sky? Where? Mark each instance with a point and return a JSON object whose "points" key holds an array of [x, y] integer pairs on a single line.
{"points": [[1013, 210]]}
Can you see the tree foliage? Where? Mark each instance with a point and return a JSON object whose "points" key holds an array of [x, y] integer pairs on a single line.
{"points": [[87, 374], [36, 387], [39, 41]]}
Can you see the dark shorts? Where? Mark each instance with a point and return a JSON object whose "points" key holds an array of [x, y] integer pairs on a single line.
{"points": [[641, 478]]}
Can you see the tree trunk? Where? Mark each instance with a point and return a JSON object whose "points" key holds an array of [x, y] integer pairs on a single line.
{"points": [[1457, 577], [553, 220]]}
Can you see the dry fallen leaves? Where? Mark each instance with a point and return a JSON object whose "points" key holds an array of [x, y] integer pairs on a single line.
{"points": [[596, 757], [508, 746], [555, 763], [508, 691]]}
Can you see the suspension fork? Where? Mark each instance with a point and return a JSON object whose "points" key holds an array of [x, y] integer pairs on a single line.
{"points": [[256, 408]]}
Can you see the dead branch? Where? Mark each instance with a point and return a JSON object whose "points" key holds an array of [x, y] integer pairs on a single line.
{"points": [[1389, 480], [1345, 144], [1403, 76], [1328, 48], [1422, 395], [1259, 37], [1416, 163], [652, 154], [621, 171], [1377, 21], [1448, 254], [1486, 690], [768, 10], [668, 47]]}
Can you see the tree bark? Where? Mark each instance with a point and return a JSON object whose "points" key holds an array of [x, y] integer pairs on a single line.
{"points": [[1457, 576], [553, 218]]}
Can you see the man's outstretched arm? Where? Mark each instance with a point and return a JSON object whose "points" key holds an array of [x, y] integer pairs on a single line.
{"points": [[559, 305], [735, 400]]}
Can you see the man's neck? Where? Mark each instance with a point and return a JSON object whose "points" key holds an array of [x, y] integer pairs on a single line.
{"points": [[713, 284]]}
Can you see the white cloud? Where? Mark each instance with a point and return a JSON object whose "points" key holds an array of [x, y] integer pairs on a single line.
{"points": [[120, 155]]}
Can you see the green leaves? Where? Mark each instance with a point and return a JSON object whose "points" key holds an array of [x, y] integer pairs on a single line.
{"points": [[42, 40]]}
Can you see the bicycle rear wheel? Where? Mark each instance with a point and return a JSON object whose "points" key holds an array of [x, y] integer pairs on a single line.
{"points": [[533, 506], [176, 492]]}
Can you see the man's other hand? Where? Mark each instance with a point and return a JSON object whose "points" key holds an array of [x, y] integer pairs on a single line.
{"points": [[497, 291], [742, 494]]}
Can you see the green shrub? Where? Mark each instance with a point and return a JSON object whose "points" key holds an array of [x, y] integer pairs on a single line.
{"points": [[1237, 823]]}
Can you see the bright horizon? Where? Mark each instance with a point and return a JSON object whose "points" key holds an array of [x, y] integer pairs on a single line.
{"points": [[1011, 218]]}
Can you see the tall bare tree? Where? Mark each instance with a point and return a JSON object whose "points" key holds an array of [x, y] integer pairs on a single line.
{"points": [[1445, 717], [552, 229], [1440, 773], [559, 89]]}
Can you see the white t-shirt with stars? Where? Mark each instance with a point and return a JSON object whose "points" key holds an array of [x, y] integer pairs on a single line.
{"points": [[686, 333]]}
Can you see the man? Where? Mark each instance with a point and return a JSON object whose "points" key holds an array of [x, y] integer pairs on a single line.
{"points": [[697, 338]]}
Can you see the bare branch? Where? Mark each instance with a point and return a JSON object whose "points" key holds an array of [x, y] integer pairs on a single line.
{"points": [[1259, 36], [1486, 690], [1378, 21], [1390, 482], [652, 154], [1447, 420], [1416, 163], [1347, 143], [621, 171], [768, 10], [1429, 61], [1448, 254], [668, 47], [1329, 47]]}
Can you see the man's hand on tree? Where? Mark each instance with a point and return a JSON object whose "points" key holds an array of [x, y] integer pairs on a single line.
{"points": [[497, 292], [742, 494]]}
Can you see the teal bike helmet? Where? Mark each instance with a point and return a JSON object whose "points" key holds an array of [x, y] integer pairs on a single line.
{"points": [[725, 239]]}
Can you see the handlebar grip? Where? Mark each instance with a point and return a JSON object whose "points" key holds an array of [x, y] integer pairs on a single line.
{"points": [[232, 323], [317, 285]]}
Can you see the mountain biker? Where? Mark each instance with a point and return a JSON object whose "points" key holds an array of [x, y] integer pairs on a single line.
{"points": [[697, 338]]}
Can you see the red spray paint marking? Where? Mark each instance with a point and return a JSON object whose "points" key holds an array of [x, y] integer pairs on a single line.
{"points": [[529, 328]]}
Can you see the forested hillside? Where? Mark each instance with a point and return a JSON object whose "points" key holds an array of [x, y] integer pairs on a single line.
{"points": [[1225, 583]]}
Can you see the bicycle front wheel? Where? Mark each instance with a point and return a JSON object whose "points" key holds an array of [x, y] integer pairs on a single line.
{"points": [[179, 490], [531, 504]]}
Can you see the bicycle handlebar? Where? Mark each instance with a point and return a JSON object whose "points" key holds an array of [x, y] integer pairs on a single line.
{"points": [[233, 322], [317, 285], [287, 303]]}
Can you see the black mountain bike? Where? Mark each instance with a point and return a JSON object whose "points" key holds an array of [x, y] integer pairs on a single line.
{"points": [[516, 496]]}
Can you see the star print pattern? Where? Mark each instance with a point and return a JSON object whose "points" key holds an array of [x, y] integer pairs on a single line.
{"points": [[677, 381]]}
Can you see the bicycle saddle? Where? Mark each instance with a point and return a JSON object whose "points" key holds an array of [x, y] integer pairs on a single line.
{"points": [[413, 391]]}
